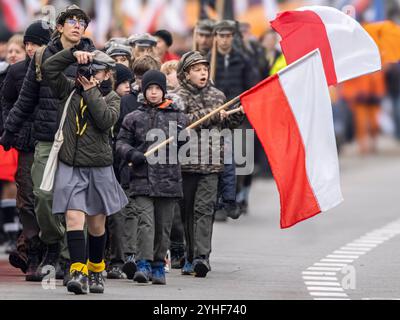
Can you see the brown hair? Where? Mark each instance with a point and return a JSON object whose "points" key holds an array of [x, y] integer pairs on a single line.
{"points": [[145, 63]]}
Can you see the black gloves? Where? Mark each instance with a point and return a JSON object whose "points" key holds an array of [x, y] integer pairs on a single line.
{"points": [[137, 158], [7, 140]]}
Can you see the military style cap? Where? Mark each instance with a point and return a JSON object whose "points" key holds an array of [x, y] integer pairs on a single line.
{"points": [[225, 27], [102, 61], [116, 40], [142, 40], [72, 10], [205, 26], [117, 49], [189, 59]]}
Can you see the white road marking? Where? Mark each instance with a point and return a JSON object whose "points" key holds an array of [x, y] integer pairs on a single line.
{"points": [[319, 278], [319, 273], [319, 283], [337, 260], [322, 287], [324, 269], [328, 294], [348, 252], [341, 256], [325, 289], [319, 264]]}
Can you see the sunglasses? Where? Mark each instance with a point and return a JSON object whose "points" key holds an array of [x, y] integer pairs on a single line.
{"points": [[73, 22]]}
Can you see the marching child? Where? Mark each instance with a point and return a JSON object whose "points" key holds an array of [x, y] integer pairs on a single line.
{"points": [[155, 187]]}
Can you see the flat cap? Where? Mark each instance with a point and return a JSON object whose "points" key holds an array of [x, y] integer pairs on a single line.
{"points": [[205, 26], [117, 49], [102, 61], [143, 40], [225, 27]]}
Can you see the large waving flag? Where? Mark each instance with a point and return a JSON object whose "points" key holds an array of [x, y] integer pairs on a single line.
{"points": [[291, 113], [346, 48]]}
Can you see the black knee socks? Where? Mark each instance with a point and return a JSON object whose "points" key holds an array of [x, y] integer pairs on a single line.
{"points": [[96, 248], [76, 246]]}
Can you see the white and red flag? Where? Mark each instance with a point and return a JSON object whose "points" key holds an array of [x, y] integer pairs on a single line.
{"points": [[291, 113], [346, 48]]}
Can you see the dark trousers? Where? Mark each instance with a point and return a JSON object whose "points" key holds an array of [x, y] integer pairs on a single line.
{"points": [[197, 210], [155, 217], [177, 232], [25, 197]]}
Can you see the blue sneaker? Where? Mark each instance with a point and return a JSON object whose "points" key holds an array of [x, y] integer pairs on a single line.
{"points": [[143, 273], [187, 268], [158, 273]]}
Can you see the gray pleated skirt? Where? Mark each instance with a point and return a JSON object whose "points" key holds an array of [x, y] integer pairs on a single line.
{"points": [[91, 190]]}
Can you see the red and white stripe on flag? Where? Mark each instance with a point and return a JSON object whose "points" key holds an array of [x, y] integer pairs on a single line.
{"points": [[347, 50], [291, 113]]}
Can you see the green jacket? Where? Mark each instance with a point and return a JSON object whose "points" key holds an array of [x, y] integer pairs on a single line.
{"points": [[90, 116]]}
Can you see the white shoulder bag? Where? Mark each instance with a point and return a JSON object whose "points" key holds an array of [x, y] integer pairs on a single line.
{"points": [[52, 162]]}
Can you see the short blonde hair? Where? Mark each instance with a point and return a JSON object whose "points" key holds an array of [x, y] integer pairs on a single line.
{"points": [[169, 66], [18, 39]]}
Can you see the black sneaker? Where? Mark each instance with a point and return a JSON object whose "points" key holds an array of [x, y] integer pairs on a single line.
{"points": [[116, 273], [96, 282], [220, 215], [78, 283], [35, 251], [233, 210], [18, 260], [201, 267], [129, 268]]}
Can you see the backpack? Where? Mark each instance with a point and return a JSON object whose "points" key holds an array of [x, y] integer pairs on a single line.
{"points": [[38, 62]]}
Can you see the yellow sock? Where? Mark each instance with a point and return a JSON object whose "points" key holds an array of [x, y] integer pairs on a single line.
{"points": [[78, 266], [96, 267]]}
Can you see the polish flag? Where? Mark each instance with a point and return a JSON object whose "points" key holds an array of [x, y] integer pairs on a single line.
{"points": [[346, 48], [291, 113]]}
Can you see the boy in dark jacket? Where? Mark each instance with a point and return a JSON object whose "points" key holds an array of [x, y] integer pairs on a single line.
{"points": [[154, 188]]}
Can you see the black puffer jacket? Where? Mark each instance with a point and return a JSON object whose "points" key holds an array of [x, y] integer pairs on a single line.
{"points": [[38, 95], [9, 95], [235, 74], [129, 103], [154, 180], [3, 72]]}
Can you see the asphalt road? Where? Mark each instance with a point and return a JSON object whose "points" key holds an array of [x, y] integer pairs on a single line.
{"points": [[350, 252]]}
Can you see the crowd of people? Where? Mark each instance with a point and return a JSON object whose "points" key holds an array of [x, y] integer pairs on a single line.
{"points": [[112, 210]]}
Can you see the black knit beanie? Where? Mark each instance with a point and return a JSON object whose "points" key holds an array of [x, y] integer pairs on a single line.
{"points": [[122, 74], [154, 77], [38, 33]]}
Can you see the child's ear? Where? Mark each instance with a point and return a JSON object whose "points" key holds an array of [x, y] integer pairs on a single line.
{"points": [[108, 75], [187, 76]]}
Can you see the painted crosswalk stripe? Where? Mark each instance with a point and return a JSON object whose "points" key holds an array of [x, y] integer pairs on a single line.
{"points": [[324, 268], [319, 264], [325, 289], [355, 249], [341, 256], [319, 273], [347, 252], [329, 294], [337, 260], [321, 283], [319, 278]]}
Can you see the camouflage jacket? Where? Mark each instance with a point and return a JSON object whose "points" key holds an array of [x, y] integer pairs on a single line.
{"points": [[206, 156]]}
